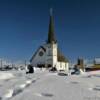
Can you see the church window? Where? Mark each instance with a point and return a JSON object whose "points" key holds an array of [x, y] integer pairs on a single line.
{"points": [[40, 53]]}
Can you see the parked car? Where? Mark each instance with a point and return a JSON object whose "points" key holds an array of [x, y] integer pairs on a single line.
{"points": [[53, 69], [62, 73]]}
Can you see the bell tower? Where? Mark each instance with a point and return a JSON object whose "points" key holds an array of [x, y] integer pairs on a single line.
{"points": [[51, 58]]}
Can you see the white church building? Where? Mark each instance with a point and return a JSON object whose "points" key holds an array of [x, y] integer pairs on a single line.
{"points": [[48, 55]]}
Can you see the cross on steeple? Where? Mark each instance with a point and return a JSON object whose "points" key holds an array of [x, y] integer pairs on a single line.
{"points": [[51, 35], [51, 11]]}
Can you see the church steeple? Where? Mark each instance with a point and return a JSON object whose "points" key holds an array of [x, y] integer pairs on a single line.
{"points": [[51, 35]]}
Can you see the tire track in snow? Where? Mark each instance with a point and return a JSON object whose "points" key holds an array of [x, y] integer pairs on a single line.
{"points": [[15, 91]]}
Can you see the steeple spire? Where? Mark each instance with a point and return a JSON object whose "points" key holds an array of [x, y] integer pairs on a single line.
{"points": [[51, 36]]}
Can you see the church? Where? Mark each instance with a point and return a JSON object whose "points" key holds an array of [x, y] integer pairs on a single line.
{"points": [[48, 55]]}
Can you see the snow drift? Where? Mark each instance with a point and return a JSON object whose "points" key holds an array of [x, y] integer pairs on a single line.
{"points": [[5, 75]]}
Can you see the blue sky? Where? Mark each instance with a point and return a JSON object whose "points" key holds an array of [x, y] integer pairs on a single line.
{"points": [[24, 27]]}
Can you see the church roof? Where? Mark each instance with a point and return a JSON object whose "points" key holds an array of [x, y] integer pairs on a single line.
{"points": [[61, 57], [51, 33]]}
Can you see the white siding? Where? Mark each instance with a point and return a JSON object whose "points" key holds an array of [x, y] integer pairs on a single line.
{"points": [[63, 66], [39, 59], [51, 54]]}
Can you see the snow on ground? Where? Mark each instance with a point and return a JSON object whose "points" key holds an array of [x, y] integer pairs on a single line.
{"points": [[44, 85], [5, 76]]}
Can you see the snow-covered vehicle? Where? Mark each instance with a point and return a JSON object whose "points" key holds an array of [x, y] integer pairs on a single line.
{"points": [[62, 73], [53, 69]]}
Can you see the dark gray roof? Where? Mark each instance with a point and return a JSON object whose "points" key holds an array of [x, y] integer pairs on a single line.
{"points": [[61, 57], [51, 33]]}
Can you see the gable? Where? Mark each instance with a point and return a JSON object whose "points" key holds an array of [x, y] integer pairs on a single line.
{"points": [[41, 48]]}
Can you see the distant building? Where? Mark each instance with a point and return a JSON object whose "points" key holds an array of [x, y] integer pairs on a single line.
{"points": [[5, 65], [80, 64], [90, 65], [96, 64], [49, 55]]}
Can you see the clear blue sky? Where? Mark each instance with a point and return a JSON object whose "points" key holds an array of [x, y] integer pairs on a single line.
{"points": [[24, 27]]}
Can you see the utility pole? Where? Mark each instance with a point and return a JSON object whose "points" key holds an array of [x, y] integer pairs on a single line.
{"points": [[1, 63], [25, 63]]}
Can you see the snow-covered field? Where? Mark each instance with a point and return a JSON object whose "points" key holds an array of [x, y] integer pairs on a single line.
{"points": [[43, 85]]}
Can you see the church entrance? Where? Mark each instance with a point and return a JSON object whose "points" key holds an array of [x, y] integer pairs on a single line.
{"points": [[49, 65], [41, 65]]}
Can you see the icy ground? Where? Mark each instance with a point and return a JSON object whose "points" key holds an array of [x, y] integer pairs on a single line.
{"points": [[42, 85]]}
